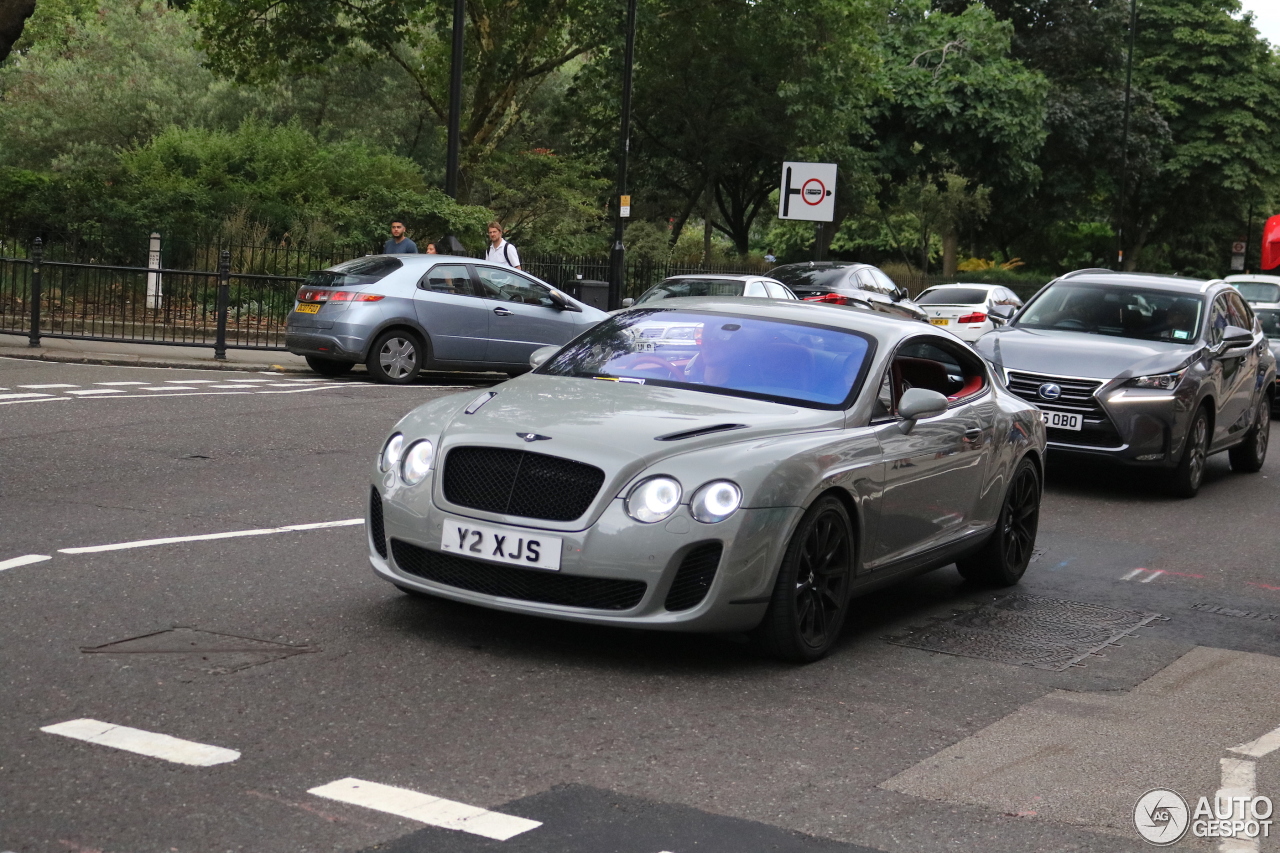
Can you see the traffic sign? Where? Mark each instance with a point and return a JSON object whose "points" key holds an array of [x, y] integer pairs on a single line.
{"points": [[808, 192]]}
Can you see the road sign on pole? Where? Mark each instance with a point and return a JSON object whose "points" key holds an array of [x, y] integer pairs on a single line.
{"points": [[808, 192]]}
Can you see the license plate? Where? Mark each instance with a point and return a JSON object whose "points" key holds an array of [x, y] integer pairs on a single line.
{"points": [[645, 346], [940, 321], [308, 309], [1063, 420], [501, 544]]}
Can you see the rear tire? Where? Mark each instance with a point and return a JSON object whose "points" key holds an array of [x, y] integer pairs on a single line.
{"points": [[811, 596], [1247, 456], [396, 357], [1185, 480], [1004, 558], [329, 366]]}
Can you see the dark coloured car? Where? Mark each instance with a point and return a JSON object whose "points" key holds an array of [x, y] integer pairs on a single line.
{"points": [[842, 283], [1143, 369]]}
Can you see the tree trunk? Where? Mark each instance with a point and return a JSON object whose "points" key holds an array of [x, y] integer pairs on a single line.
{"points": [[13, 17], [950, 250]]}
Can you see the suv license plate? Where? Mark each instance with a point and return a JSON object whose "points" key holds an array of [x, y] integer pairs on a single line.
{"points": [[501, 544], [1063, 420]]}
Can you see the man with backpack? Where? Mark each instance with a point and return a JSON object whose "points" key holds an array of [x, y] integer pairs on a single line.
{"points": [[500, 251]]}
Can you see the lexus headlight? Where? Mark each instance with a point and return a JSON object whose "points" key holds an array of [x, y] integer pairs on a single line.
{"points": [[653, 500], [716, 501], [417, 462], [391, 453], [1158, 381]]}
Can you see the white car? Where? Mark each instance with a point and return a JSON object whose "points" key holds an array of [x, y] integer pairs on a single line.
{"points": [[965, 309], [1256, 289]]}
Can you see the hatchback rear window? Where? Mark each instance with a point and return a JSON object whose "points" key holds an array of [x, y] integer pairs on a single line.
{"points": [[360, 271], [953, 296], [693, 287], [810, 280], [1258, 291]]}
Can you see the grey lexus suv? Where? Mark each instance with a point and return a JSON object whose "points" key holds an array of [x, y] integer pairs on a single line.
{"points": [[401, 313], [1146, 370]]}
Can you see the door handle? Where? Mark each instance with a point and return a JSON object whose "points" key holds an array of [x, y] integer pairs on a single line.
{"points": [[972, 434], [502, 312]]}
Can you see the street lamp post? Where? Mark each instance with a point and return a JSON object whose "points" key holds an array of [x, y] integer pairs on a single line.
{"points": [[455, 117], [617, 258], [1124, 154]]}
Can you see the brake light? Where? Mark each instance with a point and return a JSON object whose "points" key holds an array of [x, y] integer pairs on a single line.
{"points": [[353, 296], [829, 298], [975, 317]]}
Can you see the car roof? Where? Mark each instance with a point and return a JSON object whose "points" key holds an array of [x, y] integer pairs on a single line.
{"points": [[885, 327], [1149, 281], [961, 284], [817, 265], [719, 277], [1257, 278]]}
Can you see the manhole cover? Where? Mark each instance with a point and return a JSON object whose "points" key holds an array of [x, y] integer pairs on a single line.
{"points": [[1046, 633], [206, 650]]}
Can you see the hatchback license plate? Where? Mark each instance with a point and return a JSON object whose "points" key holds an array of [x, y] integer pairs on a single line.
{"points": [[1063, 420], [940, 321], [308, 309], [501, 544]]}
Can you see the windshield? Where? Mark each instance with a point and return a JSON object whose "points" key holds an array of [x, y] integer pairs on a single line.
{"points": [[812, 366], [1270, 320], [1258, 291], [1153, 315], [693, 287], [806, 278], [360, 271], [953, 296]]}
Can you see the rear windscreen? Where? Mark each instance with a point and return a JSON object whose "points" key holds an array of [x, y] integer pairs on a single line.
{"points": [[953, 296], [1258, 291], [693, 287], [809, 280], [360, 271]]}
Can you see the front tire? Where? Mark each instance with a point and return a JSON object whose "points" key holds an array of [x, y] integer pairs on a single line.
{"points": [[1247, 456], [1004, 558], [811, 596], [1186, 478], [396, 357], [329, 366]]}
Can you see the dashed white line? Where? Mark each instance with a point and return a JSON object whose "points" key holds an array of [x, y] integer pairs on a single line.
{"points": [[22, 396], [1155, 574], [424, 808], [120, 383], [23, 561], [1239, 779], [1133, 574], [1263, 746], [144, 743], [48, 386], [248, 381], [205, 537], [96, 391], [38, 400], [191, 381], [166, 388]]}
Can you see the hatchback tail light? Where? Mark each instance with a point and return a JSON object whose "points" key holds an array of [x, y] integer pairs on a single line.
{"points": [[975, 317], [830, 299], [311, 294]]}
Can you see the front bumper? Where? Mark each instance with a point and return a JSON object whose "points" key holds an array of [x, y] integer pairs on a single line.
{"points": [[1146, 428], [614, 548]]}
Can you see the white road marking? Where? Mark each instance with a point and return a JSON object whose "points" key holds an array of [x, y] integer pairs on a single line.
{"points": [[306, 380], [1264, 745], [48, 386], [424, 808], [1239, 779], [1133, 574], [97, 391], [40, 400], [22, 396], [205, 537], [192, 381], [144, 743], [229, 387], [1157, 573], [166, 388], [119, 383], [248, 381], [23, 561]]}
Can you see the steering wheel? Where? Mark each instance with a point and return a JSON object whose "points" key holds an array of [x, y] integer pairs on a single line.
{"points": [[660, 362]]}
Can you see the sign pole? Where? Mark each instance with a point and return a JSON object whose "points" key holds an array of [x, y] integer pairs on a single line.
{"points": [[617, 257]]}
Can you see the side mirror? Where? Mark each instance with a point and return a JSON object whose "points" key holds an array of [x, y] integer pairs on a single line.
{"points": [[628, 302], [560, 301], [917, 404], [1234, 337], [541, 354], [1001, 313]]}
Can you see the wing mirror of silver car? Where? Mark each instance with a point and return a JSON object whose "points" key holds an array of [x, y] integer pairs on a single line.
{"points": [[1234, 337], [560, 301], [1000, 314], [541, 354], [628, 302], [917, 404]]}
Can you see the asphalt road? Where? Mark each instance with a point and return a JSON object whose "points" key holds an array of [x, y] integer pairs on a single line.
{"points": [[283, 648]]}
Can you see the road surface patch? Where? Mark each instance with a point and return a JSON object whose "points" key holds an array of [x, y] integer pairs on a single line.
{"points": [[425, 808], [205, 537], [151, 744]]}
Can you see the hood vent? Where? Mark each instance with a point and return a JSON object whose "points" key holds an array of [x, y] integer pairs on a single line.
{"points": [[694, 433]]}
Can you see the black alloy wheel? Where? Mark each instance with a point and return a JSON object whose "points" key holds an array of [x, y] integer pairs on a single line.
{"points": [[396, 357], [1004, 558], [811, 596], [329, 366], [1185, 480], [1248, 456]]}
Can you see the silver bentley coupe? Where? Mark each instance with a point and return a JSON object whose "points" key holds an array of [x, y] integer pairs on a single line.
{"points": [[795, 455]]}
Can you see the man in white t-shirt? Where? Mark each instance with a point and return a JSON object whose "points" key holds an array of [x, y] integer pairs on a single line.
{"points": [[500, 251]]}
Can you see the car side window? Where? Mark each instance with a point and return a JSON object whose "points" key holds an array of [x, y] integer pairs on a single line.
{"points": [[1241, 315], [887, 285], [885, 405], [864, 280], [937, 366], [447, 278], [755, 289], [1219, 319], [777, 291], [506, 285]]}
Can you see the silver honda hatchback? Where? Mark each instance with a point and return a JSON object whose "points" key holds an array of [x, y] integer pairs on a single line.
{"points": [[399, 314]]}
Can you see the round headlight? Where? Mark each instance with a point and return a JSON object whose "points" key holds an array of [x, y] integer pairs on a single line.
{"points": [[417, 462], [653, 500], [716, 501], [391, 452]]}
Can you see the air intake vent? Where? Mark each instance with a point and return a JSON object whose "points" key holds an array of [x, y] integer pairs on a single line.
{"points": [[520, 584], [693, 578], [694, 433], [376, 531], [518, 482]]}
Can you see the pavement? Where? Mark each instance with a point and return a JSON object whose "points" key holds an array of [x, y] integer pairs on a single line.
{"points": [[74, 351]]}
